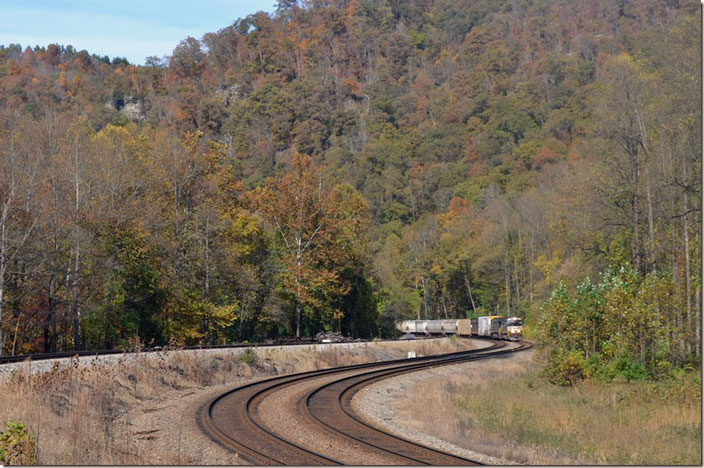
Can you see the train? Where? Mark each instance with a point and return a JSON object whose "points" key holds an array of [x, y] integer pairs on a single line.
{"points": [[491, 326]]}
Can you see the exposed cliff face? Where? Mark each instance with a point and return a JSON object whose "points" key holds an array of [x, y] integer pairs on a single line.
{"points": [[228, 93], [129, 106]]}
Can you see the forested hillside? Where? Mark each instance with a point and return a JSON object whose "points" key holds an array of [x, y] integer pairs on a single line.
{"points": [[354, 162]]}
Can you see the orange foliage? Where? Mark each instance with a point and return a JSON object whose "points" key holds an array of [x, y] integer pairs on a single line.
{"points": [[352, 7], [63, 82], [543, 156], [352, 86], [458, 205], [477, 168]]}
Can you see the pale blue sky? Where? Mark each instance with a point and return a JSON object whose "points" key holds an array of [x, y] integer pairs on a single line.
{"points": [[119, 28]]}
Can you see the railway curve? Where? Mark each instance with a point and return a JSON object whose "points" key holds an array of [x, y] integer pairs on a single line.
{"points": [[233, 419]]}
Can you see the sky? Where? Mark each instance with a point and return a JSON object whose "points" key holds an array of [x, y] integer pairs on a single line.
{"points": [[135, 29]]}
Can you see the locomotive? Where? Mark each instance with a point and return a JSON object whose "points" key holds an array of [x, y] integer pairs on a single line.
{"points": [[492, 326]]}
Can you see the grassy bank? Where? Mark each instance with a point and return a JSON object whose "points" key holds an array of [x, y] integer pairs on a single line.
{"points": [[640, 423]]}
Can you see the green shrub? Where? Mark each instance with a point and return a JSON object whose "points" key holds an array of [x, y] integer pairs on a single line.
{"points": [[629, 369], [622, 367], [17, 446], [248, 356], [566, 369]]}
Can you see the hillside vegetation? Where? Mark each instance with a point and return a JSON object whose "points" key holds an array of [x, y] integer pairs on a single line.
{"points": [[345, 164]]}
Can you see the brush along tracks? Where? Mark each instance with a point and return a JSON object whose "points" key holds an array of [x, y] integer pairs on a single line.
{"points": [[236, 421], [280, 342]]}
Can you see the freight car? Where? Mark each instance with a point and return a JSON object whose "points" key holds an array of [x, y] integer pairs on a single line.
{"points": [[442, 327], [464, 327]]}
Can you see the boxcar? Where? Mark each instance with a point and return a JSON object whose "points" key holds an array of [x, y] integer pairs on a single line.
{"points": [[484, 326], [490, 325]]}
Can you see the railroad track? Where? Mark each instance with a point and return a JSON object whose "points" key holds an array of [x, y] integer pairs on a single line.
{"points": [[234, 421]]}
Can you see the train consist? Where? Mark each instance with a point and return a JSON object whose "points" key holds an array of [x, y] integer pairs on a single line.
{"points": [[494, 326]]}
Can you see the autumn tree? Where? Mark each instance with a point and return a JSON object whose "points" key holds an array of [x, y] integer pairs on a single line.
{"points": [[320, 230], [18, 169]]}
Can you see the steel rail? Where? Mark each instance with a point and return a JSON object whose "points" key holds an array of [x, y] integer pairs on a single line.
{"points": [[353, 385], [330, 406], [228, 419]]}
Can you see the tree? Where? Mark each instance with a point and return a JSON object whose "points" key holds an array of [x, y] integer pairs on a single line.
{"points": [[17, 175], [320, 230]]}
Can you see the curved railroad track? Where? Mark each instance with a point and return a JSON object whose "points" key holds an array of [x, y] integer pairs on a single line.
{"points": [[233, 419]]}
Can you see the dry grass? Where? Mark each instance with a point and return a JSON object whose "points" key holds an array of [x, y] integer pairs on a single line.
{"points": [[86, 414], [504, 409]]}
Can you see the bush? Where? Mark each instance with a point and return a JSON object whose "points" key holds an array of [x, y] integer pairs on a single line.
{"points": [[17, 446], [629, 369], [566, 369], [623, 367], [249, 356], [623, 319]]}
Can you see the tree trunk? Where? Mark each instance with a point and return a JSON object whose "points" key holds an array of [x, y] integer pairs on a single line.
{"points": [[698, 325], [651, 229], [206, 285], [671, 320], [530, 270], [515, 275], [687, 277], [75, 310], [14, 338], [2, 335], [210, 339], [2, 299], [298, 319], [52, 314], [425, 296], [3, 266], [507, 277], [636, 247], [469, 290], [298, 290]]}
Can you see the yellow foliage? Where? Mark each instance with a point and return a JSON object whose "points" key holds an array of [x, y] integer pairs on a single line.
{"points": [[548, 266]]}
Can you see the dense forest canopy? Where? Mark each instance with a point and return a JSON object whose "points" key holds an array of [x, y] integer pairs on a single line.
{"points": [[344, 164]]}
